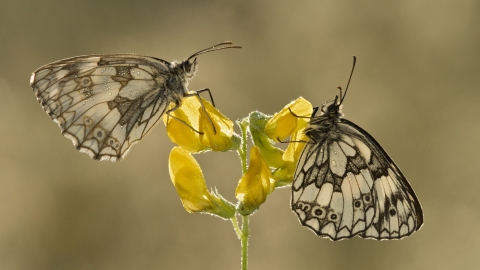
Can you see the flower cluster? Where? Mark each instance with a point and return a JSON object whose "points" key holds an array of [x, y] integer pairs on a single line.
{"points": [[197, 126]]}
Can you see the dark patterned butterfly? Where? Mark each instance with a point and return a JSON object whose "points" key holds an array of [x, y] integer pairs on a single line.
{"points": [[345, 184], [107, 103]]}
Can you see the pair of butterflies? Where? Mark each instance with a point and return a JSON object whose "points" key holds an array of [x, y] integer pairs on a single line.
{"points": [[344, 185]]}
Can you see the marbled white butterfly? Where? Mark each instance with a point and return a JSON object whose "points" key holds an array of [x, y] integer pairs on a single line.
{"points": [[107, 103], [345, 184]]}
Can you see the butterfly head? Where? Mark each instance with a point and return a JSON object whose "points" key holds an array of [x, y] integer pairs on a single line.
{"points": [[332, 108]]}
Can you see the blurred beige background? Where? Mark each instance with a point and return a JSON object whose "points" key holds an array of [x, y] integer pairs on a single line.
{"points": [[416, 89]]}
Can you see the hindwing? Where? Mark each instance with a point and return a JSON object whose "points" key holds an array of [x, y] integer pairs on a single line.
{"points": [[104, 103], [346, 185]]}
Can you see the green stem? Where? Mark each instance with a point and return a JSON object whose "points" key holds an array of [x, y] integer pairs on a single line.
{"points": [[235, 226], [244, 241], [242, 151], [244, 233]]}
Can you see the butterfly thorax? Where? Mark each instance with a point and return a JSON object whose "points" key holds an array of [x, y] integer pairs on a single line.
{"points": [[324, 126]]}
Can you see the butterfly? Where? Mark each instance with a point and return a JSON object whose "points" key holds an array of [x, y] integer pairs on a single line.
{"points": [[107, 103], [345, 184]]}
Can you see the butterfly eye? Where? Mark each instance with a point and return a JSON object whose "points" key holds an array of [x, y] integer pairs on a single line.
{"points": [[333, 216], [190, 67]]}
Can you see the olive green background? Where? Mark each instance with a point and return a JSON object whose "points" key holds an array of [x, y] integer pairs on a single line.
{"points": [[415, 89]]}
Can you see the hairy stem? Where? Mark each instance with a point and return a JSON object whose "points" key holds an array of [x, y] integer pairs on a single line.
{"points": [[244, 241], [244, 233]]}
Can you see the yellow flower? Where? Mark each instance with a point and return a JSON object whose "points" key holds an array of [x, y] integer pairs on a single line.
{"points": [[284, 174], [188, 179], [192, 119], [223, 138], [284, 123], [279, 127], [272, 154], [255, 184]]}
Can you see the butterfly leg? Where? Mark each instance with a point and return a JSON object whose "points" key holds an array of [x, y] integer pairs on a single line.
{"points": [[209, 93], [197, 94], [280, 141], [177, 105], [315, 109]]}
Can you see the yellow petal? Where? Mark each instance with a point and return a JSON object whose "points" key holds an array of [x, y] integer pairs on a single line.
{"points": [[284, 174], [284, 123], [255, 184], [182, 133], [187, 177], [190, 117], [297, 142], [219, 139]]}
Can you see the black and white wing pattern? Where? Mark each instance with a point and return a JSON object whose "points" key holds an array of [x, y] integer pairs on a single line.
{"points": [[345, 184], [103, 103], [107, 103]]}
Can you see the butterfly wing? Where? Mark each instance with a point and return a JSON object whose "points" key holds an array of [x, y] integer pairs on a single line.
{"points": [[347, 185], [103, 103], [398, 211], [329, 199]]}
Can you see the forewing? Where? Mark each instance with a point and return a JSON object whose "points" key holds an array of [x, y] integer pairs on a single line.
{"points": [[333, 193], [103, 103], [398, 212]]}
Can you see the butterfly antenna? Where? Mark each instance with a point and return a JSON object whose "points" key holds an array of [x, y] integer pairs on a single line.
{"points": [[349, 79], [341, 95], [336, 97], [216, 48]]}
